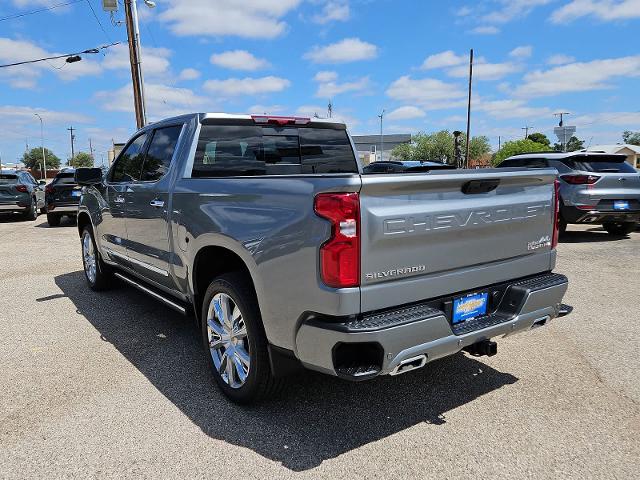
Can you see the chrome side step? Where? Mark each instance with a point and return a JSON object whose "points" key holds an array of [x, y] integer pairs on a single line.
{"points": [[148, 291]]}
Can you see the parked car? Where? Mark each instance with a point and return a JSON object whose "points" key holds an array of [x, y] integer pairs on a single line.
{"points": [[21, 193], [595, 188], [62, 197], [266, 229], [405, 166]]}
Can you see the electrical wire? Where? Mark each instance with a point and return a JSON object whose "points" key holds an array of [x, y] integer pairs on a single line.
{"points": [[90, 50], [24, 14], [99, 22]]}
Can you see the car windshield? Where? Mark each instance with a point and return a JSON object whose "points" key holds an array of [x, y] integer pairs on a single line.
{"points": [[600, 164], [65, 179], [8, 179]]}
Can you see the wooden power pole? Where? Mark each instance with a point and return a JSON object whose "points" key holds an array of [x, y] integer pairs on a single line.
{"points": [[134, 57], [469, 108]]}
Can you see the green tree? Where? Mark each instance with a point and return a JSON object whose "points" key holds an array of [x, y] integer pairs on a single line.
{"points": [[33, 159], [632, 138], [518, 146], [540, 138], [439, 147], [82, 159], [573, 145]]}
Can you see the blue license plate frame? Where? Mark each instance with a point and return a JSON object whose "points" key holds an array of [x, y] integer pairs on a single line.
{"points": [[621, 205], [76, 193], [469, 307]]}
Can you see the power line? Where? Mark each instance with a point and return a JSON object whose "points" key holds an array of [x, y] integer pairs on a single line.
{"points": [[40, 10], [98, 20], [90, 50]]}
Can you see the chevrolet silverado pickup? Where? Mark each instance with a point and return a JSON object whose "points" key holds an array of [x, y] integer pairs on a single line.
{"points": [[269, 232]]}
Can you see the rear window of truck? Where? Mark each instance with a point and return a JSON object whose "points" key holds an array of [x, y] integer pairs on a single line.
{"points": [[599, 164], [240, 151]]}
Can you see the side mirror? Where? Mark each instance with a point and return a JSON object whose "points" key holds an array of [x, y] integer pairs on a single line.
{"points": [[88, 176]]}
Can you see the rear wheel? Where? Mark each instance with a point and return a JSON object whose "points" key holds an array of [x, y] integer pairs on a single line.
{"points": [[53, 219], [562, 225], [235, 342], [620, 228], [32, 212], [97, 274]]}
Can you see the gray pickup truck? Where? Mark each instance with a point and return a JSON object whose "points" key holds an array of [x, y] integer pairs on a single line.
{"points": [[267, 230]]}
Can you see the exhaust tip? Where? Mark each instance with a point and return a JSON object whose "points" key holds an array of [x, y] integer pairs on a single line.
{"points": [[409, 364]]}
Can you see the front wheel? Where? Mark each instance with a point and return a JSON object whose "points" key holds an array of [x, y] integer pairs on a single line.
{"points": [[620, 229], [235, 342], [96, 272]]}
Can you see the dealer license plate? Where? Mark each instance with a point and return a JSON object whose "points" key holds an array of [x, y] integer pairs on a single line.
{"points": [[621, 205], [469, 307]]}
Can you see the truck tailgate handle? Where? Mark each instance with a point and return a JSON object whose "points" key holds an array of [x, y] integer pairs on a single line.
{"points": [[480, 186]]}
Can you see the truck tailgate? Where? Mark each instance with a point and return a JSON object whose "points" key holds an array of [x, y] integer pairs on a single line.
{"points": [[428, 235]]}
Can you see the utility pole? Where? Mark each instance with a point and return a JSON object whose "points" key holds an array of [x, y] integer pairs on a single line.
{"points": [[499, 142], [381, 116], [526, 131], [73, 138], [561, 115], [330, 109], [469, 107], [133, 34], [44, 156], [91, 149]]}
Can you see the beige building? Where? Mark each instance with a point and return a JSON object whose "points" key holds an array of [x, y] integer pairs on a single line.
{"points": [[631, 151]]}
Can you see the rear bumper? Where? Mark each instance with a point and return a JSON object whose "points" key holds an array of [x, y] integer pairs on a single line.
{"points": [[390, 338], [577, 215], [62, 208], [13, 207]]}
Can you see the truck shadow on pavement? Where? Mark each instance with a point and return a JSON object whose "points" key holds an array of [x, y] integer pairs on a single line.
{"points": [[315, 419], [593, 235]]}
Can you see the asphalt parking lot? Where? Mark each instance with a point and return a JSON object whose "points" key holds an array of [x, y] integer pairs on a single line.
{"points": [[115, 385]]}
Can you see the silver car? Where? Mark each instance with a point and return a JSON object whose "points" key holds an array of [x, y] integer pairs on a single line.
{"points": [[595, 188]]}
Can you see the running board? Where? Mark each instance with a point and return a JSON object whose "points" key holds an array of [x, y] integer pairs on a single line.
{"points": [[170, 303]]}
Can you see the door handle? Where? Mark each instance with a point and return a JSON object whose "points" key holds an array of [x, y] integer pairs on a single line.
{"points": [[119, 199], [157, 203]]}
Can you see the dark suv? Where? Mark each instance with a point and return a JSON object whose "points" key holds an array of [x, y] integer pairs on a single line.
{"points": [[62, 197], [21, 193], [594, 188]]}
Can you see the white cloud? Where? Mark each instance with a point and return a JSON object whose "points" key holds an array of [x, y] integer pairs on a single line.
{"points": [[161, 101], [485, 30], [246, 86], [332, 88], [560, 59], [266, 109], [406, 113], [333, 11], [443, 59], [578, 77], [189, 74], [326, 76], [505, 109], [622, 119], [485, 71], [155, 61], [512, 9], [521, 52], [21, 115], [606, 10], [321, 111], [347, 50], [428, 93], [217, 18], [238, 60]]}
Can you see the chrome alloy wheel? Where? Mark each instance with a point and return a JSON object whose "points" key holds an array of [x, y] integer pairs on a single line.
{"points": [[89, 257], [228, 340]]}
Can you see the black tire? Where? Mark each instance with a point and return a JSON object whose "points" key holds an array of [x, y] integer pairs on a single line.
{"points": [[103, 277], [32, 213], [260, 383], [53, 219], [43, 211], [620, 229], [562, 224]]}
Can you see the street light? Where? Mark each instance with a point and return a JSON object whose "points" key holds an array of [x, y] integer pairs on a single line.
{"points": [[381, 116], [44, 156]]}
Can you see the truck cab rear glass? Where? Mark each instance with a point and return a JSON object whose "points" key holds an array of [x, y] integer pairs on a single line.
{"points": [[254, 150], [8, 179]]}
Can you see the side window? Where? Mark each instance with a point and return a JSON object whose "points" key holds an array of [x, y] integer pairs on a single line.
{"points": [[128, 166], [536, 163], [512, 163], [160, 152]]}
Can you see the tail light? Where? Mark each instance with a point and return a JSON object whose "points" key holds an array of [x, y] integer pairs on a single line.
{"points": [[280, 120], [22, 188], [49, 189], [340, 255], [556, 213], [580, 179]]}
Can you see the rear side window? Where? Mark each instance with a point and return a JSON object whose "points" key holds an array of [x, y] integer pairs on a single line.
{"points": [[128, 166], [7, 179], [226, 151], [160, 153], [599, 164]]}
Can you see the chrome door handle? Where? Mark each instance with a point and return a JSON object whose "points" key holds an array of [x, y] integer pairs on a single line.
{"points": [[157, 203], [119, 199]]}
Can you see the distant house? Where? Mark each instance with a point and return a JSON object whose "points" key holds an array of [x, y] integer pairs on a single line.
{"points": [[368, 146], [631, 151]]}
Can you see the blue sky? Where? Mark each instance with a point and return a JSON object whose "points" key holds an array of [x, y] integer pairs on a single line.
{"points": [[534, 57]]}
